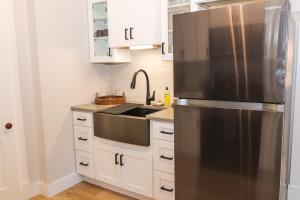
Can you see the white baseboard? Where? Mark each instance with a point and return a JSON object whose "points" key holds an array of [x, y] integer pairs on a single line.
{"points": [[293, 192], [116, 189], [29, 190], [60, 185]]}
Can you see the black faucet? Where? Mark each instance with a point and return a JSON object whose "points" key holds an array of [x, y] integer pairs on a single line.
{"points": [[132, 86]]}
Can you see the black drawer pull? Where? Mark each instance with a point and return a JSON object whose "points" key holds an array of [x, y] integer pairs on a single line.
{"points": [[121, 160], [84, 164], [163, 48], [131, 37], [109, 52], [126, 37], [82, 139], [167, 133], [167, 158], [116, 159], [81, 119], [166, 189]]}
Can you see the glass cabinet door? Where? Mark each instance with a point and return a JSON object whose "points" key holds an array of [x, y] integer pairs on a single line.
{"points": [[100, 29], [173, 7]]}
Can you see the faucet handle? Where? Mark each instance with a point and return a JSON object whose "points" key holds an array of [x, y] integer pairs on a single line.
{"points": [[153, 96]]}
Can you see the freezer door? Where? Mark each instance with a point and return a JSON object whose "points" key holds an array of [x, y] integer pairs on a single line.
{"points": [[235, 53], [227, 154]]}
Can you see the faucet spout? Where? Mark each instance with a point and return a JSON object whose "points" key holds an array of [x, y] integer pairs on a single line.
{"points": [[133, 83]]}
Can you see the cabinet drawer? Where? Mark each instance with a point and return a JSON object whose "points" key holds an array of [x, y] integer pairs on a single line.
{"points": [[83, 138], [164, 186], [83, 119], [163, 130], [164, 156], [85, 164]]}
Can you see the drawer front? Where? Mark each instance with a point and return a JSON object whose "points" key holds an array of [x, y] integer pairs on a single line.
{"points": [[164, 156], [163, 130], [83, 138], [85, 164], [164, 186], [83, 119]]}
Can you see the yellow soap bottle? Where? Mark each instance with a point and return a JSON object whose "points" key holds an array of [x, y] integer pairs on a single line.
{"points": [[167, 97]]}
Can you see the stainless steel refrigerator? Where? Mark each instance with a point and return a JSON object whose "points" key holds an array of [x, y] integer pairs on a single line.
{"points": [[233, 77]]}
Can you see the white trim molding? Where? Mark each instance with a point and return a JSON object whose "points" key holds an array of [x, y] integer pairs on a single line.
{"points": [[60, 185], [29, 190], [293, 192]]}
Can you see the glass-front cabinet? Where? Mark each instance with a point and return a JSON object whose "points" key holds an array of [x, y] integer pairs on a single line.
{"points": [[100, 51], [169, 9]]}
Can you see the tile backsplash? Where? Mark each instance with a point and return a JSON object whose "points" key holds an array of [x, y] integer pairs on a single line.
{"points": [[160, 75]]}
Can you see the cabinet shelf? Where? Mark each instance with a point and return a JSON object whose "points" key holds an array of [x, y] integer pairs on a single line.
{"points": [[101, 38], [179, 5], [100, 19]]}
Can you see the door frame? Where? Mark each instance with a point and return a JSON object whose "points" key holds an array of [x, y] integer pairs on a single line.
{"points": [[24, 192]]}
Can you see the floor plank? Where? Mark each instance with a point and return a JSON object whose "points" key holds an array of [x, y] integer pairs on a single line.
{"points": [[86, 191]]}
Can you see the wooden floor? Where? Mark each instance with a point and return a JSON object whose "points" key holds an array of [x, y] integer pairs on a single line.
{"points": [[86, 191]]}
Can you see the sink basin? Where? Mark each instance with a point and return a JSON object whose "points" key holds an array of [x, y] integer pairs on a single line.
{"points": [[124, 123], [140, 112]]}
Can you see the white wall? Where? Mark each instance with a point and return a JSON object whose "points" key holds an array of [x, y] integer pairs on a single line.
{"points": [[160, 75], [66, 77]]}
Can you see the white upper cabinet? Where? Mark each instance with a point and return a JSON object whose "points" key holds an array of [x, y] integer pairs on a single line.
{"points": [[100, 35], [134, 22], [120, 17], [145, 29], [169, 9]]}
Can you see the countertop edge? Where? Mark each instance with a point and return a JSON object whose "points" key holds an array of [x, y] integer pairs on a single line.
{"points": [[165, 115]]}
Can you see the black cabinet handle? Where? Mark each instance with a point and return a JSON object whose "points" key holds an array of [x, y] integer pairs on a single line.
{"points": [[116, 159], [82, 139], [131, 30], [121, 160], [126, 30], [84, 164], [166, 189], [109, 52], [167, 158], [81, 119], [163, 48], [167, 133]]}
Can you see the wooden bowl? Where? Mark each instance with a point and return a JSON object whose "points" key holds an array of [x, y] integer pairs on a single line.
{"points": [[110, 100]]}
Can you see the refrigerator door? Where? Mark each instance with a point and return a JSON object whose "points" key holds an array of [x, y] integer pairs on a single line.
{"points": [[235, 53], [228, 154]]}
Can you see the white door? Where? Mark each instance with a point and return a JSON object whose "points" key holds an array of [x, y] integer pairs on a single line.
{"points": [[119, 20], [107, 164], [9, 188], [145, 27], [137, 172]]}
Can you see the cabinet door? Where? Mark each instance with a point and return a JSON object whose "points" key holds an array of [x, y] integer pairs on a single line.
{"points": [[107, 168], [169, 8], [145, 28], [119, 22], [137, 172]]}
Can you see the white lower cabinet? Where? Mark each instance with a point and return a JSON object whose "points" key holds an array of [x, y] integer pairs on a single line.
{"points": [[128, 169], [107, 168], [84, 163], [164, 186], [163, 155], [137, 172]]}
